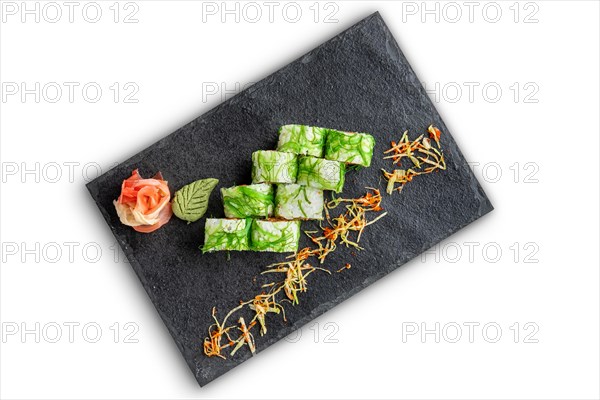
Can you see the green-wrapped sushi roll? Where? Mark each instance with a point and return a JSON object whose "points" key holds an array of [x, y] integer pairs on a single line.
{"points": [[321, 174], [349, 147], [294, 201], [275, 236], [274, 167], [248, 201], [302, 139], [226, 234]]}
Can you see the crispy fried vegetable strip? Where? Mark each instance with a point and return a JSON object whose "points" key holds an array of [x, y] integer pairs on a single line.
{"points": [[352, 220], [296, 272], [216, 332], [245, 337], [424, 157], [347, 266]]}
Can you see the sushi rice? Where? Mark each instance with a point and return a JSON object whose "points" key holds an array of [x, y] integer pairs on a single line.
{"points": [[293, 201]]}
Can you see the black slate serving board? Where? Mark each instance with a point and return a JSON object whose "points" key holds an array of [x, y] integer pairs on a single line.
{"points": [[357, 81]]}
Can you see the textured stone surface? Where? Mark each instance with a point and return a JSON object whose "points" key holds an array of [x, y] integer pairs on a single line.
{"points": [[357, 81]]}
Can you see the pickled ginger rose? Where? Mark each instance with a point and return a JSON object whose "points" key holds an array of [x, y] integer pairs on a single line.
{"points": [[144, 203]]}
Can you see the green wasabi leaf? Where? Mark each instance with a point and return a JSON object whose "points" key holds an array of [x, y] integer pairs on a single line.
{"points": [[191, 201]]}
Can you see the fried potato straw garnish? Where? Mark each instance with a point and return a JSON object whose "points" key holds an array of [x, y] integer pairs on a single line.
{"points": [[341, 227], [347, 266], [424, 157], [295, 275], [295, 270], [216, 333]]}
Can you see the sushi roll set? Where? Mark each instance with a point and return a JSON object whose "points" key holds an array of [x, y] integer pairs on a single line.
{"points": [[308, 160]]}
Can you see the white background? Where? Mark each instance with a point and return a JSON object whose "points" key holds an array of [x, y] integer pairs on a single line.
{"points": [[544, 59]]}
